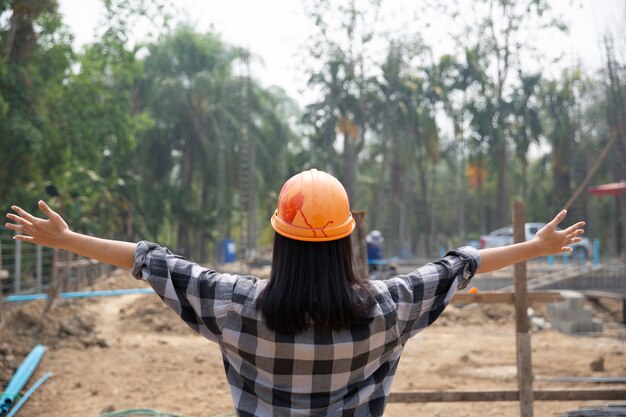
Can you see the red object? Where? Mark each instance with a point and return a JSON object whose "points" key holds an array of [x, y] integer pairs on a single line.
{"points": [[614, 188]]}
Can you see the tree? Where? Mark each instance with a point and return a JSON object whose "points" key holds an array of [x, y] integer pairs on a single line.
{"points": [[343, 83], [494, 52], [217, 134], [411, 96], [526, 126], [29, 90]]}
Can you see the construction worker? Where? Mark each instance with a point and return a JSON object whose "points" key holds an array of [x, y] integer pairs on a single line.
{"points": [[373, 241], [316, 338]]}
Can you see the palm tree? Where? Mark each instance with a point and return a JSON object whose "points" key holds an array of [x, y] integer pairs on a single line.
{"points": [[186, 74]]}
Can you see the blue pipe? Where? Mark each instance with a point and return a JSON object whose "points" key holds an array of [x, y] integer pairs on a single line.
{"points": [[20, 377], [79, 294], [29, 393]]}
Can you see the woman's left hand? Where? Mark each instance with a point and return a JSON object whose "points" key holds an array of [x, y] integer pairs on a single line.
{"points": [[52, 232]]}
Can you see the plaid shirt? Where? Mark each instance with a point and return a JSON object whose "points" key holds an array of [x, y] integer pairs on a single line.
{"points": [[317, 372]]}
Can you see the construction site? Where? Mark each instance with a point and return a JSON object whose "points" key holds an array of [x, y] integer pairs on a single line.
{"points": [[249, 142], [112, 345]]}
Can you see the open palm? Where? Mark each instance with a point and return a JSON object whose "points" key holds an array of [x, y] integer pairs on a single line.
{"points": [[49, 232], [552, 241]]}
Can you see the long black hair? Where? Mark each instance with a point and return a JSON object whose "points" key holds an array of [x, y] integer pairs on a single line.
{"points": [[314, 282]]}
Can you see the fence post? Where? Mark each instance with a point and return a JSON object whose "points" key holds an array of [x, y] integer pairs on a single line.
{"points": [[522, 337], [39, 251], [17, 285]]}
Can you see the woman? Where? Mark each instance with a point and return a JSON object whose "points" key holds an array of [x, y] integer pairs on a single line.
{"points": [[316, 339]]}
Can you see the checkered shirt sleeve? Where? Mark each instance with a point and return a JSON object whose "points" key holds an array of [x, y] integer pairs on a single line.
{"points": [[421, 296], [200, 296]]}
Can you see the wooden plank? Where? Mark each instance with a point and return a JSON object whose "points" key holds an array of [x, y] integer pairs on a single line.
{"points": [[496, 297], [569, 394], [590, 379], [522, 337], [452, 396], [602, 294], [582, 394]]}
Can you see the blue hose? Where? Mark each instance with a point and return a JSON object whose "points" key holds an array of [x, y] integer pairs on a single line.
{"points": [[79, 294], [29, 393], [138, 412], [20, 377]]}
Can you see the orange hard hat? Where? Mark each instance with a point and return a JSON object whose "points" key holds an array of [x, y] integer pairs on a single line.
{"points": [[313, 206]]}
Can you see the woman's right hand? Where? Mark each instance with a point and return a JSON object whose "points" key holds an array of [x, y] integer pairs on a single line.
{"points": [[53, 232]]}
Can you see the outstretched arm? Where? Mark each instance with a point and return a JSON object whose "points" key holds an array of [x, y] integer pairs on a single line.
{"points": [[55, 233], [547, 241]]}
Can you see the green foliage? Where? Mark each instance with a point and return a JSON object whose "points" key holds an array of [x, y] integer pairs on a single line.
{"points": [[175, 141]]}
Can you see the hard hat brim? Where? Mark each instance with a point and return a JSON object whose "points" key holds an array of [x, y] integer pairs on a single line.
{"points": [[308, 234]]}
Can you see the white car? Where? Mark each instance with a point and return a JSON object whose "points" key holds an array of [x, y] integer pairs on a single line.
{"points": [[504, 236]]}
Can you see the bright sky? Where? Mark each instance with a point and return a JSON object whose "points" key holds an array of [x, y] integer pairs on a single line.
{"points": [[277, 30]]}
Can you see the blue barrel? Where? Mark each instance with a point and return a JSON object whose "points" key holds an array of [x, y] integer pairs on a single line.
{"points": [[227, 251]]}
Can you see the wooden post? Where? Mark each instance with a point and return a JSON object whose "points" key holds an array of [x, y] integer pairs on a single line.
{"points": [[522, 337], [359, 247], [53, 289]]}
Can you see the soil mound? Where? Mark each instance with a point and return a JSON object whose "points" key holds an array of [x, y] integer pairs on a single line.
{"points": [[150, 314], [68, 324], [476, 314]]}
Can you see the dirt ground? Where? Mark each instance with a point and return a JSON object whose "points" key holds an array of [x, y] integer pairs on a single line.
{"points": [[130, 351]]}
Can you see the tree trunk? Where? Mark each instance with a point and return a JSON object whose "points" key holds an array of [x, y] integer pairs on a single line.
{"points": [[182, 235], [462, 195], [10, 35], [347, 178], [502, 195], [425, 207]]}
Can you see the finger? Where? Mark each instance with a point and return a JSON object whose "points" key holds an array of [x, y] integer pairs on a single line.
{"points": [[576, 240], [566, 249], [574, 227], [15, 227], [19, 220], [47, 210], [24, 238], [575, 233], [25, 214], [558, 219]]}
